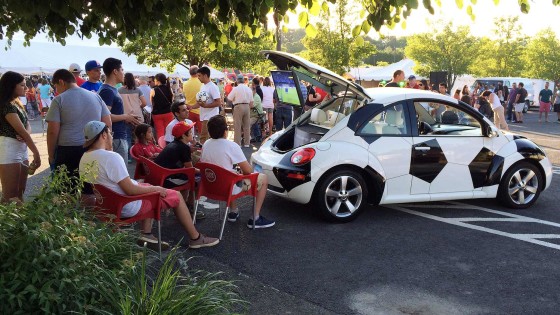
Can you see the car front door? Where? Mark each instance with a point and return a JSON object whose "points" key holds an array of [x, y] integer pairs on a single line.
{"points": [[450, 154]]}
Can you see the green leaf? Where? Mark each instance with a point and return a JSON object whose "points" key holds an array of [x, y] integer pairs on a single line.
{"points": [[256, 31], [238, 25], [460, 3], [232, 44], [223, 39], [496, 2], [286, 19], [189, 37], [403, 25], [310, 31], [470, 12], [325, 7], [359, 41], [303, 19], [269, 3], [315, 8], [356, 30], [473, 2], [285, 29], [248, 31], [362, 14], [212, 46], [366, 27]]}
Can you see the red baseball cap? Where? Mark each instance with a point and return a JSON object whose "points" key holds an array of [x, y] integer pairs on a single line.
{"points": [[181, 128]]}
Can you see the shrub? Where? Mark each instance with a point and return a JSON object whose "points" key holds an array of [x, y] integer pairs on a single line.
{"points": [[56, 258]]}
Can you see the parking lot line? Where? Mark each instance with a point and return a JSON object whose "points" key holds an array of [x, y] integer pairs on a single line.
{"points": [[556, 170], [463, 222]]}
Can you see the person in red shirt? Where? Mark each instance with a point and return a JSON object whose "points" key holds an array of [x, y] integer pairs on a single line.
{"points": [[145, 144], [322, 93], [412, 84], [76, 70]]}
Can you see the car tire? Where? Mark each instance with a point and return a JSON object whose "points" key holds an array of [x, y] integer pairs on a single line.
{"points": [[521, 186], [341, 195]]}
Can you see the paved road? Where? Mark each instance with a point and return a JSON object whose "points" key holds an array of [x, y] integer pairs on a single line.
{"points": [[472, 257]]}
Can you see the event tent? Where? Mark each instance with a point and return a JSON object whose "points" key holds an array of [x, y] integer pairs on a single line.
{"points": [[384, 73], [46, 57]]}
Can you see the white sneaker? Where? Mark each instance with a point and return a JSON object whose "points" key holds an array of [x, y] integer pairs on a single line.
{"points": [[209, 205]]}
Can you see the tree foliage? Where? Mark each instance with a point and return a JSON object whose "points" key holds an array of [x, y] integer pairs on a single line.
{"points": [[446, 49], [169, 47], [339, 47], [502, 55], [390, 49], [542, 56], [117, 21]]}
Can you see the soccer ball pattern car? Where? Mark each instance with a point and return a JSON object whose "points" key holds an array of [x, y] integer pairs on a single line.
{"points": [[394, 145]]}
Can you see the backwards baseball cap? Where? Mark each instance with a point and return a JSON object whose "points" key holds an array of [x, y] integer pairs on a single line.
{"points": [[92, 130], [93, 64], [181, 128], [74, 68], [411, 77]]}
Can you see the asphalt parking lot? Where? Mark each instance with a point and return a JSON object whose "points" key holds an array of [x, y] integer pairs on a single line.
{"points": [[464, 257]]}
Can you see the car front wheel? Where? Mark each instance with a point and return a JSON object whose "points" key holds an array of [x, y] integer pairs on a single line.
{"points": [[521, 186], [341, 195]]}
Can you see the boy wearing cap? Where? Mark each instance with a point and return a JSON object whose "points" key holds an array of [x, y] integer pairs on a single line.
{"points": [[76, 70], [110, 171], [93, 70]]}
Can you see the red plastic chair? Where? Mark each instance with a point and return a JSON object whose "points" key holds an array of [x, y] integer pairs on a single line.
{"points": [[139, 171], [156, 175], [109, 204], [217, 183], [161, 142]]}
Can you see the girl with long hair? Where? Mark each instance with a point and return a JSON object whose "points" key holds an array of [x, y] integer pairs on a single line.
{"points": [[145, 143], [15, 138]]}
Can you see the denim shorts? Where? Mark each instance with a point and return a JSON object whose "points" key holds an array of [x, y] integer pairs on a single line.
{"points": [[13, 151]]}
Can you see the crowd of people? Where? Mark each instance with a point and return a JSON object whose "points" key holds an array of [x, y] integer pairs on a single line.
{"points": [[500, 103], [175, 125]]}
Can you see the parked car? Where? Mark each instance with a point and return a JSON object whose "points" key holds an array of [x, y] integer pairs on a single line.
{"points": [[388, 145]]}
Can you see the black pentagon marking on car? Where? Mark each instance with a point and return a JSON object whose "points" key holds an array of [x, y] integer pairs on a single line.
{"points": [[427, 160], [479, 166]]}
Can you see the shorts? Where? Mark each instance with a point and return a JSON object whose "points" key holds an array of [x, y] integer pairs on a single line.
{"points": [[46, 102], [544, 107], [268, 110], [171, 200], [245, 184], [556, 108], [13, 151], [519, 107]]}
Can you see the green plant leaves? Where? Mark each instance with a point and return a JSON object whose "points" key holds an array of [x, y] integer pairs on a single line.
{"points": [[310, 31], [459, 3], [356, 30], [303, 19]]}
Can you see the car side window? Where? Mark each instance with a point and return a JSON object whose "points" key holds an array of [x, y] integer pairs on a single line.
{"points": [[391, 121], [435, 118]]}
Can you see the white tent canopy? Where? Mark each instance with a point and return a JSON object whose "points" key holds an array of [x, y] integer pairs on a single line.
{"points": [[384, 73], [46, 57]]}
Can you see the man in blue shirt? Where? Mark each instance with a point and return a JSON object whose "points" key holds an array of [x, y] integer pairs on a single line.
{"points": [[114, 72], [93, 70]]}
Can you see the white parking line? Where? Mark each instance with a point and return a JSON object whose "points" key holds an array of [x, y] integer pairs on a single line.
{"points": [[556, 170], [530, 238]]}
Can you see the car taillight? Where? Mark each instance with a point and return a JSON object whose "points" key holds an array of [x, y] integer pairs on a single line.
{"points": [[303, 156]]}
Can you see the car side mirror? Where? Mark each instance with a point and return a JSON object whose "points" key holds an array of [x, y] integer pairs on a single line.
{"points": [[492, 132]]}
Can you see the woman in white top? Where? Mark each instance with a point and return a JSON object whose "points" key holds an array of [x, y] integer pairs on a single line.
{"points": [[268, 101], [497, 108]]}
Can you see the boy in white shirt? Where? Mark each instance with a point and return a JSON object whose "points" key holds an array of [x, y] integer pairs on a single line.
{"points": [[111, 172], [220, 151]]}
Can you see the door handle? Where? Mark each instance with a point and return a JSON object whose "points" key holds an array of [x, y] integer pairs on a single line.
{"points": [[422, 148]]}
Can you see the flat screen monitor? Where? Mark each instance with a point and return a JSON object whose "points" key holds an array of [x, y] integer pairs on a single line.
{"points": [[285, 86]]}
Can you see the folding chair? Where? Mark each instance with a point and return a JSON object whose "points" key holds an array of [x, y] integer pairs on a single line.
{"points": [[109, 204], [217, 183]]}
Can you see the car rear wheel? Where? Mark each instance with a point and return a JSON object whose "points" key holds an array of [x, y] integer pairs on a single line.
{"points": [[341, 195], [521, 186]]}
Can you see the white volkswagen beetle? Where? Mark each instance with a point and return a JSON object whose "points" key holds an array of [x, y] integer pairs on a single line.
{"points": [[391, 145]]}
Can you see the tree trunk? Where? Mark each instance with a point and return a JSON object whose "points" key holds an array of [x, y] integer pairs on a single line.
{"points": [[278, 31]]}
